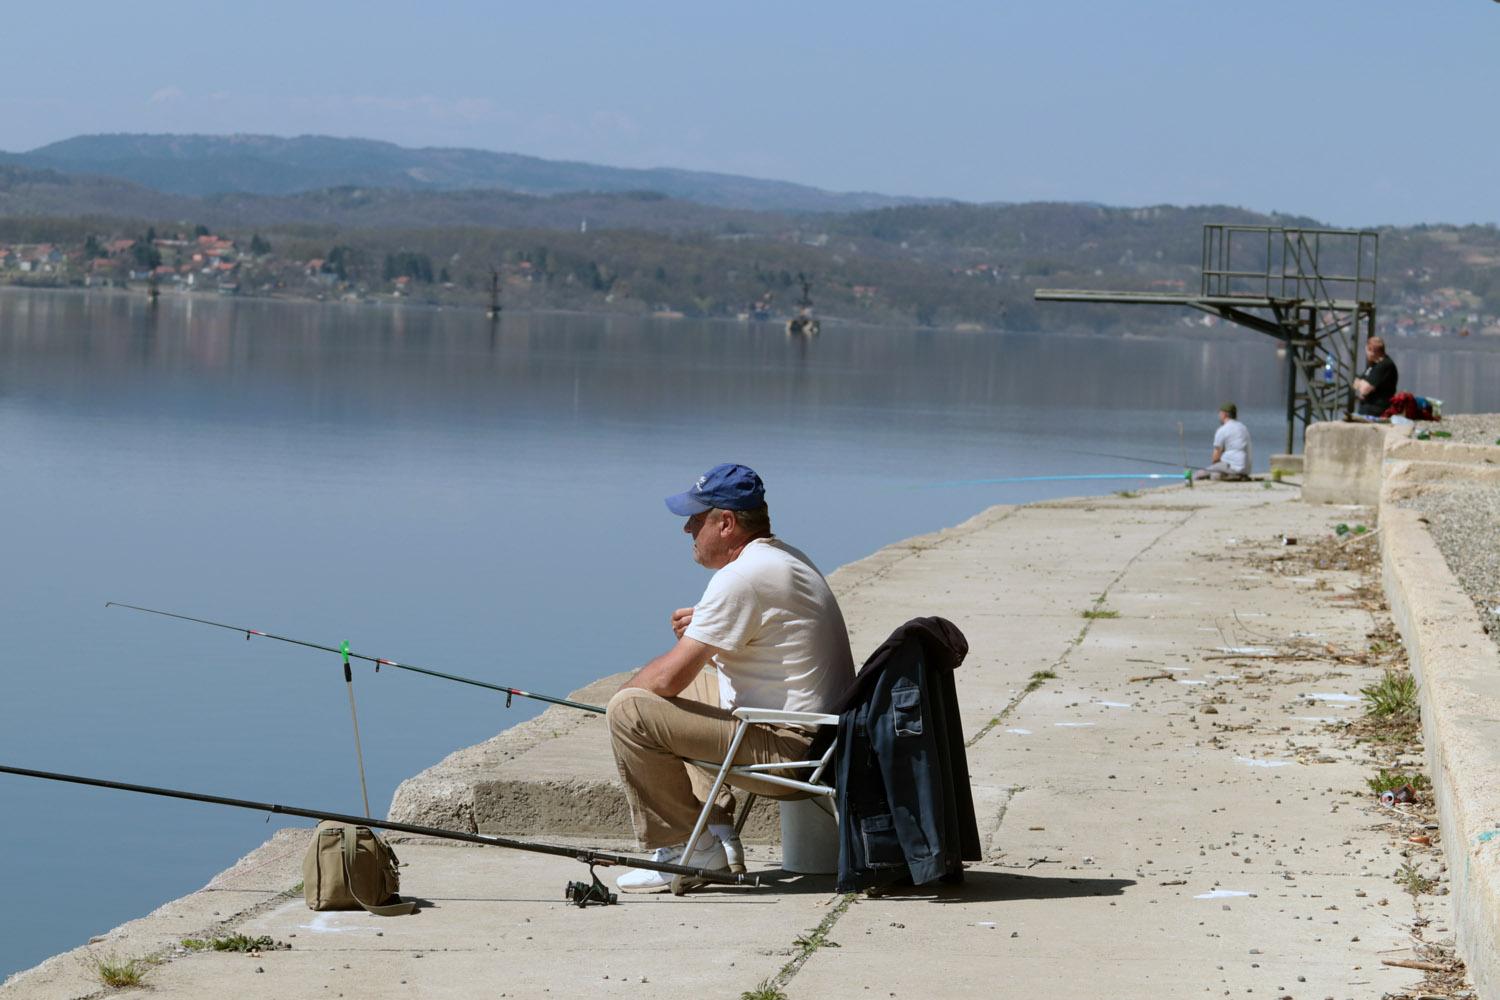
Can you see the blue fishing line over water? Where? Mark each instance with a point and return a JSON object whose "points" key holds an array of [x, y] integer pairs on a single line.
{"points": [[1047, 479]]}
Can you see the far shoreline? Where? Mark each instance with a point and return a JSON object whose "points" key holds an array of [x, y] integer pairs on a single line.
{"points": [[1155, 334]]}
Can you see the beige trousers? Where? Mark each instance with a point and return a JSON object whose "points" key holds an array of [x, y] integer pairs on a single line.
{"points": [[653, 737]]}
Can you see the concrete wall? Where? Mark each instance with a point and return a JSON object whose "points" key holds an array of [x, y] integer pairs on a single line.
{"points": [[551, 776], [1410, 449], [1458, 669], [1342, 462]]}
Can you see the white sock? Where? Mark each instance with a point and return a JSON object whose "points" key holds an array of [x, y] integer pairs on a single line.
{"points": [[724, 831]]}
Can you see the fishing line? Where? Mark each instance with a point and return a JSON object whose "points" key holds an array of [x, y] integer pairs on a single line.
{"points": [[1044, 479], [359, 753], [1157, 461], [379, 661]]}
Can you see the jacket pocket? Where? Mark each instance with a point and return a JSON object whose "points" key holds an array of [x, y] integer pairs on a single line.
{"points": [[882, 848], [906, 710]]}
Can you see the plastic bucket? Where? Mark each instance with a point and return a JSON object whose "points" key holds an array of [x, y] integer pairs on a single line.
{"points": [[809, 838]]}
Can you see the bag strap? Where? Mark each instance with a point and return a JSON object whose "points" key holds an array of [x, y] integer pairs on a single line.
{"points": [[397, 909]]}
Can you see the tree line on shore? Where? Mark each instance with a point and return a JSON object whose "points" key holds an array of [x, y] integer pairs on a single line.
{"points": [[922, 265]]}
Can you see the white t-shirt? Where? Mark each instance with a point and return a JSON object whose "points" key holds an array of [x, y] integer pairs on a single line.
{"points": [[782, 636], [1234, 438]]}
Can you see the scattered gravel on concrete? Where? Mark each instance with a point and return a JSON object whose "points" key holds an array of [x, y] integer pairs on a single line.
{"points": [[1465, 523], [1468, 428]]}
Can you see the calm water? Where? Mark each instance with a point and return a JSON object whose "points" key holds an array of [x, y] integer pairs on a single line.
{"points": [[484, 502]]}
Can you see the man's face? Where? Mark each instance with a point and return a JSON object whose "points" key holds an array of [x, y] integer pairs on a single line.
{"points": [[1373, 351], [1223, 416], [710, 530]]}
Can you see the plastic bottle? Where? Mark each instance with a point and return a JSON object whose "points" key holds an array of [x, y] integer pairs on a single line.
{"points": [[1328, 369]]}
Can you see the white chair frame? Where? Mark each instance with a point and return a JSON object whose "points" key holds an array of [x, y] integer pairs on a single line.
{"points": [[813, 786]]}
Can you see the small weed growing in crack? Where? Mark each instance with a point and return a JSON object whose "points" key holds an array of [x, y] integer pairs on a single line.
{"points": [[1394, 695], [119, 973], [1038, 679], [815, 940], [1389, 781], [766, 990], [1126, 494], [1392, 717], [235, 942], [1093, 613], [806, 944], [1413, 881]]}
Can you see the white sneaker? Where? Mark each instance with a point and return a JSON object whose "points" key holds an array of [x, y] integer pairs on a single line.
{"points": [[710, 855], [734, 854]]}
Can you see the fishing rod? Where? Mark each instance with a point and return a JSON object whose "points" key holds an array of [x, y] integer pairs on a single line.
{"points": [[379, 661], [1043, 479], [1156, 461], [1131, 458], [579, 893]]}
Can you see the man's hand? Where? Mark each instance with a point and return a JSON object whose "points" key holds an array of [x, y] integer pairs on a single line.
{"points": [[681, 618], [670, 673], [1362, 388]]}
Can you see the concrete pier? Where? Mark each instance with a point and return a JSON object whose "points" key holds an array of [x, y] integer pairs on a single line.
{"points": [[1170, 803]]}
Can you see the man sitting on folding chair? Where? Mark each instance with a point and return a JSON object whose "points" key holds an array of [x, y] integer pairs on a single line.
{"points": [[771, 626]]}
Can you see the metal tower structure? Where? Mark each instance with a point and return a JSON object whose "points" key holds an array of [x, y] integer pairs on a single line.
{"points": [[1311, 289]]}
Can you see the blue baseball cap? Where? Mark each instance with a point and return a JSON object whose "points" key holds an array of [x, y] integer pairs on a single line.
{"points": [[724, 487]]}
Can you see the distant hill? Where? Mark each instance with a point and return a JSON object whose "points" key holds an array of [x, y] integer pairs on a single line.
{"points": [[272, 165], [27, 191]]}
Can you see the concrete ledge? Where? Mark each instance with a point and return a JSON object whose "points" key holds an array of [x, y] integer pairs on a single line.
{"points": [[1408, 448], [1458, 669], [1406, 479], [1343, 462], [1291, 465], [551, 776]]}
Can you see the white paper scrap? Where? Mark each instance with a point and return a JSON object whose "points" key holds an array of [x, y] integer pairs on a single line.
{"points": [[1256, 762]]}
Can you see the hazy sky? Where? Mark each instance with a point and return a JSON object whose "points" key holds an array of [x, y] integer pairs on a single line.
{"points": [[1351, 111]]}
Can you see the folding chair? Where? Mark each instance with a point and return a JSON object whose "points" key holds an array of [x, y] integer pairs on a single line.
{"points": [[814, 786]]}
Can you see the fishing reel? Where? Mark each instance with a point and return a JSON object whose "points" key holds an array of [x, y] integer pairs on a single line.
{"points": [[582, 894]]}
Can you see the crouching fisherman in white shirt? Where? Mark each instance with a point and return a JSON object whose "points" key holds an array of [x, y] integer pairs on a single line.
{"points": [[1231, 459], [771, 627]]}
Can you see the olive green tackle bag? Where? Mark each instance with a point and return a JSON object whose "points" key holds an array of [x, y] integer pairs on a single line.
{"points": [[349, 868]]}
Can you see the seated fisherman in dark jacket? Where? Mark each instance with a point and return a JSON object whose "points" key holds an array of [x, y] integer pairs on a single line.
{"points": [[1377, 384]]}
